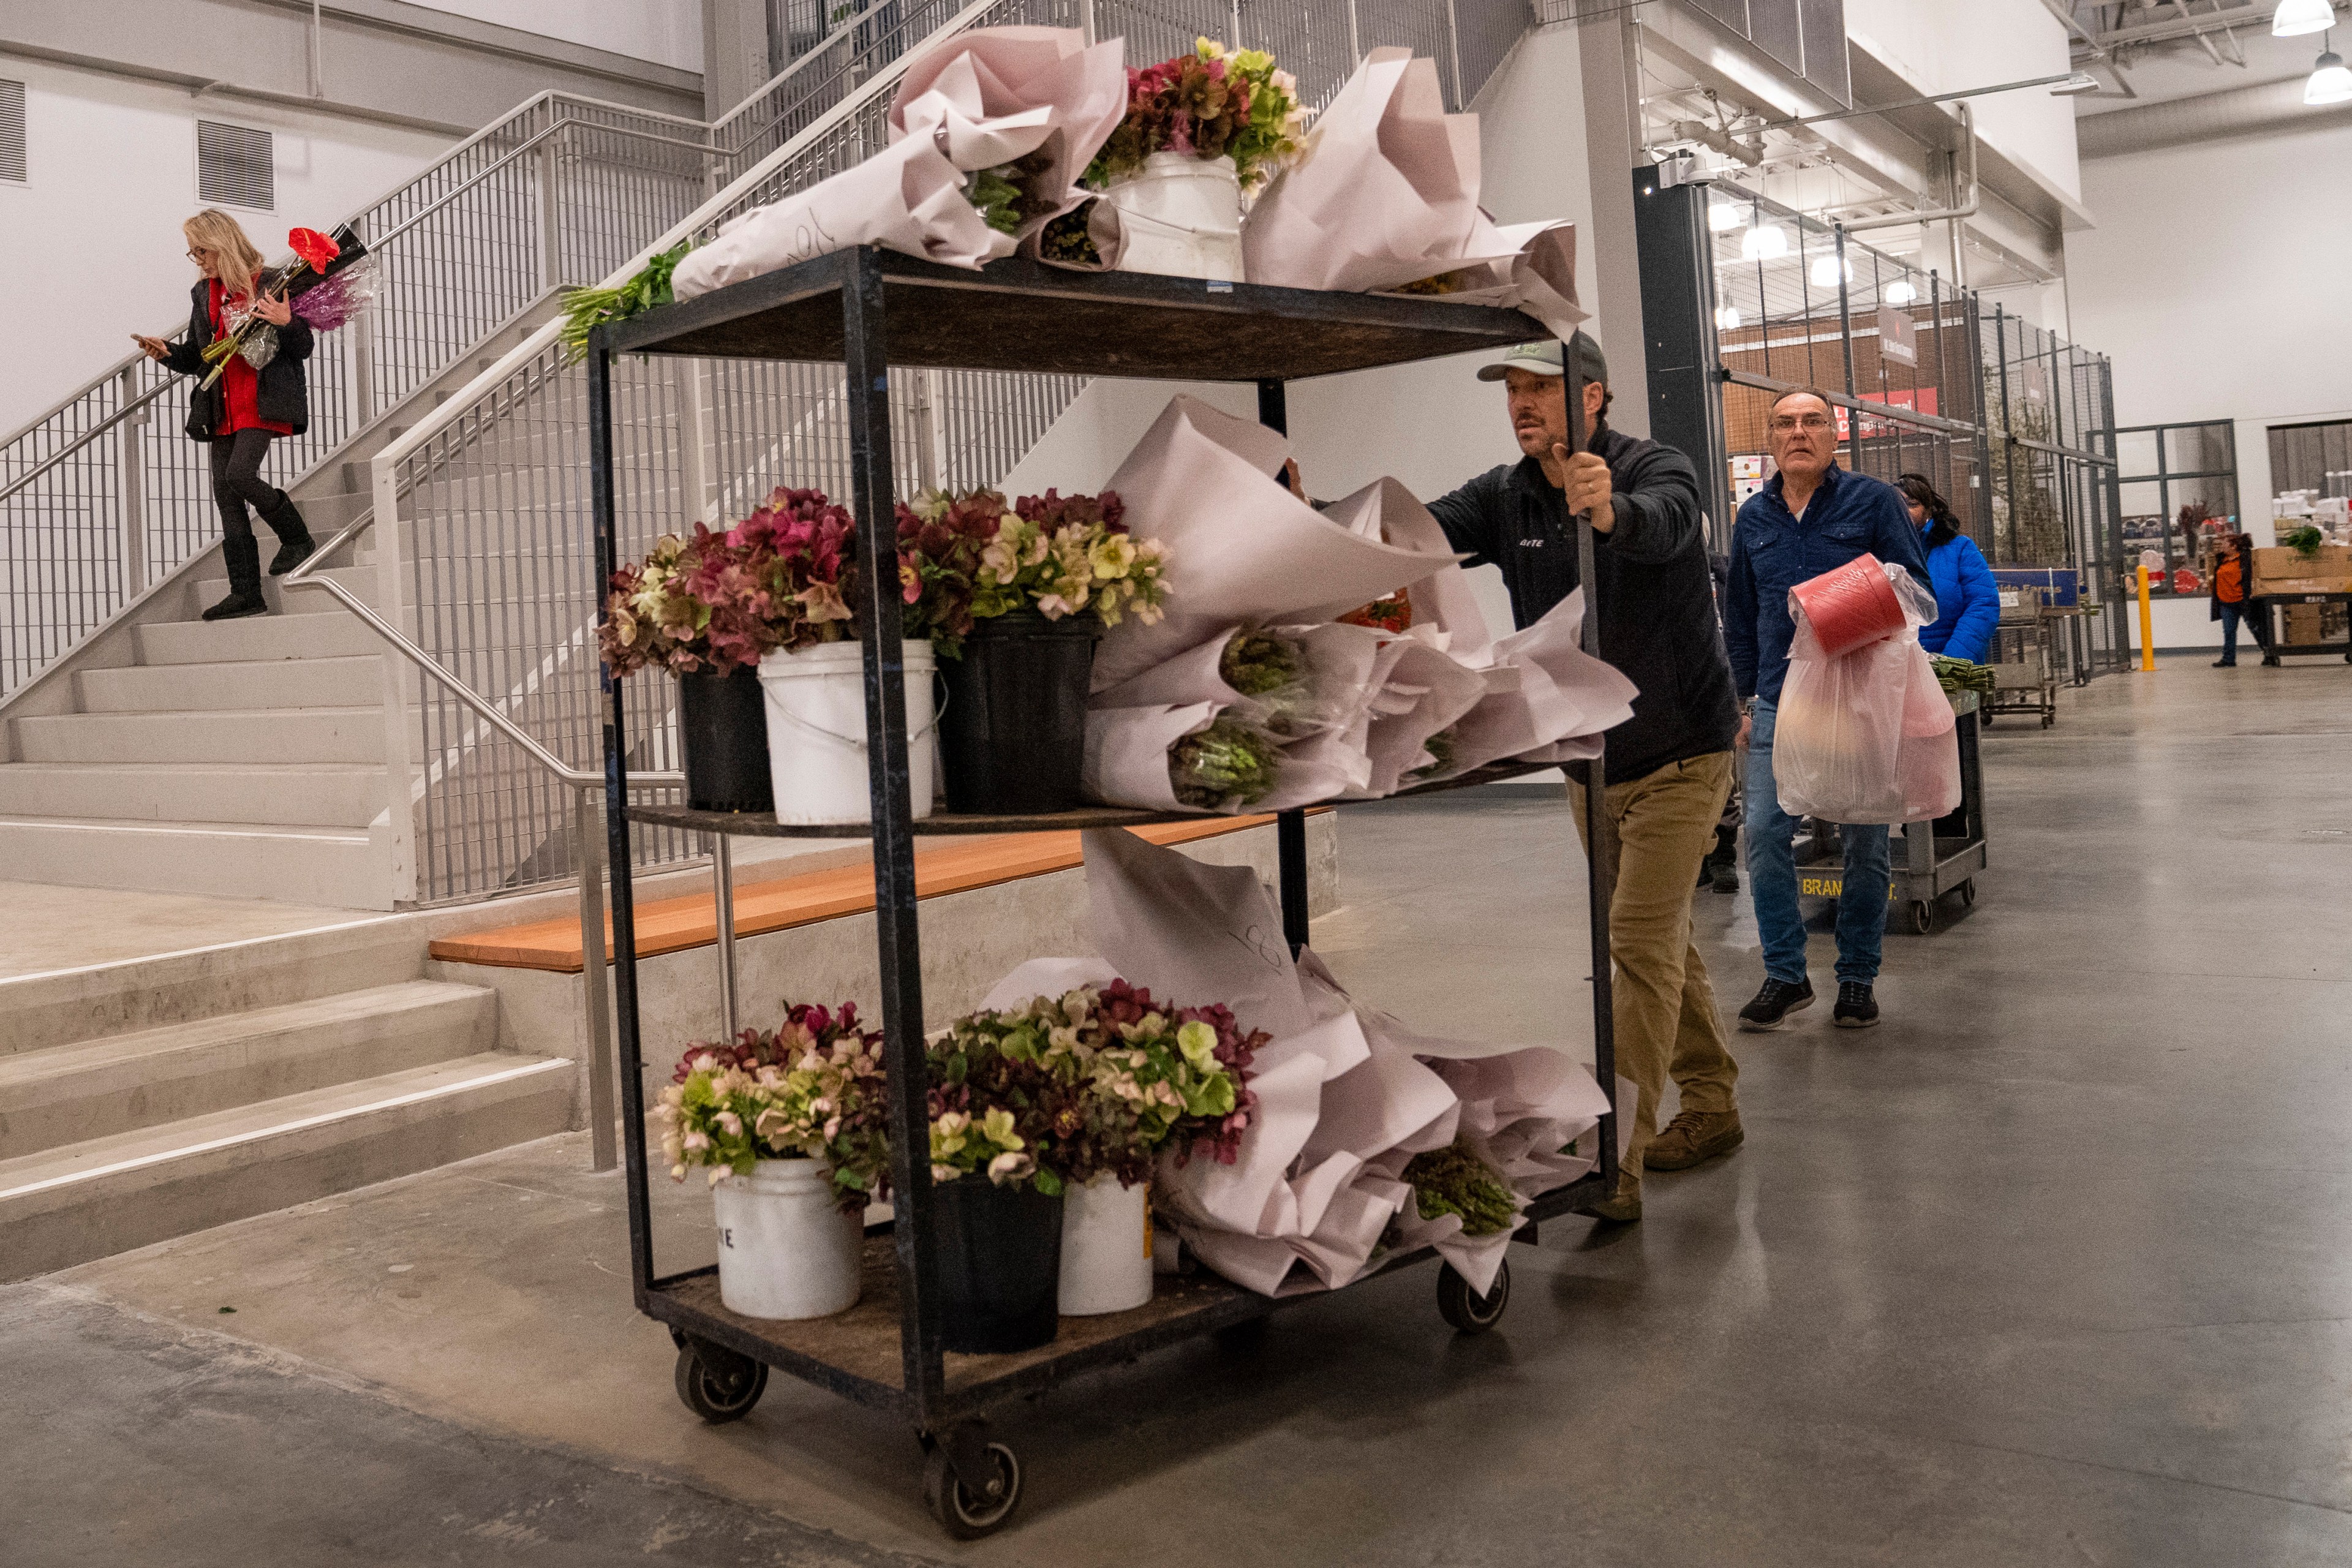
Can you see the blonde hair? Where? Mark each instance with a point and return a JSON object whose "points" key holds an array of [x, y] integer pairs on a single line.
{"points": [[234, 260]]}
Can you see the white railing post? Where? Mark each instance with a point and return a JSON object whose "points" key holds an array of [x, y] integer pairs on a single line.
{"points": [[1355, 40], [931, 451], [130, 468], [550, 210], [361, 329], [400, 713], [1453, 54]]}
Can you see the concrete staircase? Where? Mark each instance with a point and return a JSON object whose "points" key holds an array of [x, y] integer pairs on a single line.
{"points": [[235, 1082], [245, 758]]}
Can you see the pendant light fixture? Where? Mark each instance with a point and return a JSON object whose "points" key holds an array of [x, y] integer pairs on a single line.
{"points": [[1825, 273], [1724, 217], [1765, 242], [1727, 317], [1901, 292], [2330, 82], [2295, 17]]}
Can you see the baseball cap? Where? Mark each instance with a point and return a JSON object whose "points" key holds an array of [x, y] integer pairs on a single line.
{"points": [[1544, 359]]}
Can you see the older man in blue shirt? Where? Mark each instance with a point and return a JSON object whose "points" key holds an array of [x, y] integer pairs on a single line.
{"points": [[1811, 518]]}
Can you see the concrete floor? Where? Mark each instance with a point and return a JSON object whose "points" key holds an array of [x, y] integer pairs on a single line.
{"points": [[2055, 1268]]}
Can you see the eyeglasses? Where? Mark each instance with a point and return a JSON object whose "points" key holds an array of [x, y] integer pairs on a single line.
{"points": [[198, 255], [1801, 422]]}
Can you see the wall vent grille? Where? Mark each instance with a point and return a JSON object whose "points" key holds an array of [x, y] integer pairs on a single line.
{"points": [[12, 130], [235, 166]]}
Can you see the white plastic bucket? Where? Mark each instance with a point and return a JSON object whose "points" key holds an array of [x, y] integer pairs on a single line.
{"points": [[785, 1248], [1105, 1247], [817, 732], [1180, 216]]}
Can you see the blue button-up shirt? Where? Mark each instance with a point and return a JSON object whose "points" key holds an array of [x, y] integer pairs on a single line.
{"points": [[1772, 551]]}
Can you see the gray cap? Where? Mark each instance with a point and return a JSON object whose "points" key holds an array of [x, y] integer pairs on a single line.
{"points": [[1544, 359]]}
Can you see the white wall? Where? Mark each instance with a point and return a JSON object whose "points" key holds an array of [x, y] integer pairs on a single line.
{"points": [[2215, 280], [667, 32], [1944, 45], [92, 247]]}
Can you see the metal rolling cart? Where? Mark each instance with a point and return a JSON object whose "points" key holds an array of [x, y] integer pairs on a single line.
{"points": [[1934, 859], [2275, 610], [2025, 658], [871, 311]]}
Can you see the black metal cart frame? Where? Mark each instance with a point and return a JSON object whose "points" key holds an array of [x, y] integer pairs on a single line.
{"points": [[870, 311], [2272, 608]]}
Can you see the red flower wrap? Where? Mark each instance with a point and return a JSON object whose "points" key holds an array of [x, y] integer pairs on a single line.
{"points": [[315, 249]]}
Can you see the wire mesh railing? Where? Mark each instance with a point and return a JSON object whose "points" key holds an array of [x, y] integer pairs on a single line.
{"points": [[2010, 423]]}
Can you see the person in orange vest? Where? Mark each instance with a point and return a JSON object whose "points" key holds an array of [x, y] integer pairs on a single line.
{"points": [[2229, 605]]}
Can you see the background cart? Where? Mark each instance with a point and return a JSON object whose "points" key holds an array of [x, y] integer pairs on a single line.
{"points": [[872, 310]]}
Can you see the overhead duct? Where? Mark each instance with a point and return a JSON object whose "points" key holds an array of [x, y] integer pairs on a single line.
{"points": [[2275, 105]]}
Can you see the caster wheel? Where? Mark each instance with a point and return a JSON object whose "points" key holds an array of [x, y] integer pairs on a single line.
{"points": [[2048, 719], [1967, 891], [1923, 919], [717, 1383], [1470, 1313], [965, 1511]]}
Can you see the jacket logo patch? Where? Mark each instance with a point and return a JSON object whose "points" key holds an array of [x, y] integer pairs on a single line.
{"points": [[1531, 543]]}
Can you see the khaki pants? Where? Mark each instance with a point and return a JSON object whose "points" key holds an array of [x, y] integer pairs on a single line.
{"points": [[1666, 1023]]}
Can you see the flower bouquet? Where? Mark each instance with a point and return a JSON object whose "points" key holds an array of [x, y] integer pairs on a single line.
{"points": [[988, 134], [585, 310], [710, 609], [792, 1128], [1016, 594], [1201, 132], [330, 280]]}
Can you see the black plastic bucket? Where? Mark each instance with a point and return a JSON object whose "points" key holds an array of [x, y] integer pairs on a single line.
{"points": [[996, 1254], [1013, 735], [722, 721]]}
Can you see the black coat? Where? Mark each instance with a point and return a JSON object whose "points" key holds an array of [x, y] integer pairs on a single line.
{"points": [[1655, 597], [284, 392]]}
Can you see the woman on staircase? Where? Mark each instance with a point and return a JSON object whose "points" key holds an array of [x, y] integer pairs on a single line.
{"points": [[245, 407]]}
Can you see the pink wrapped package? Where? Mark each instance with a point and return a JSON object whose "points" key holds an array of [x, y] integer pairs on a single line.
{"points": [[1386, 195]]}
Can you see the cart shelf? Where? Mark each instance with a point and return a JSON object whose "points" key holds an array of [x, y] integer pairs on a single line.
{"points": [[1020, 315], [856, 1353], [758, 825], [869, 309]]}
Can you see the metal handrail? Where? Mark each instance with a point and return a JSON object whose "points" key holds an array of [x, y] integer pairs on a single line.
{"points": [[87, 436]]}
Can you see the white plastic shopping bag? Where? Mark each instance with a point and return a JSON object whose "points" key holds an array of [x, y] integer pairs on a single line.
{"points": [[1867, 736]]}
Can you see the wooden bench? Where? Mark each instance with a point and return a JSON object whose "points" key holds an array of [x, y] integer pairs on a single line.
{"points": [[672, 925]]}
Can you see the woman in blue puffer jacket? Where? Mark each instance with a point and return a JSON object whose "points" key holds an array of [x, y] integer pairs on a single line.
{"points": [[1967, 602]]}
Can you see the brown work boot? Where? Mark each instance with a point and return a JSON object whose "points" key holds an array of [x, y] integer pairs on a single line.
{"points": [[1623, 1208], [1691, 1138]]}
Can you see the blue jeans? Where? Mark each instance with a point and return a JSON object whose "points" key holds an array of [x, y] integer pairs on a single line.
{"points": [[1772, 875], [2230, 615]]}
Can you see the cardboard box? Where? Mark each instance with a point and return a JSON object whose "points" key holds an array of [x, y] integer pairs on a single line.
{"points": [[2280, 570], [2303, 623]]}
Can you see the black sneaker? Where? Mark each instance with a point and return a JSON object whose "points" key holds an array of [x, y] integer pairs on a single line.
{"points": [[1774, 1004], [1726, 879], [1856, 1007]]}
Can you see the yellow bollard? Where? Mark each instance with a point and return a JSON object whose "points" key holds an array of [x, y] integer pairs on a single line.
{"points": [[2146, 623]]}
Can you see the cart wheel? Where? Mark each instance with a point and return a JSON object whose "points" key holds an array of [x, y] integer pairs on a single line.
{"points": [[2270, 661], [1469, 1312], [2048, 719], [717, 1383], [1967, 891], [966, 1512], [1923, 918]]}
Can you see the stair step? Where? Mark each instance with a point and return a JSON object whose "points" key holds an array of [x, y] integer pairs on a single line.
{"points": [[296, 794], [69, 1205], [207, 587], [333, 867], [255, 638], [100, 1088], [349, 734], [349, 680]]}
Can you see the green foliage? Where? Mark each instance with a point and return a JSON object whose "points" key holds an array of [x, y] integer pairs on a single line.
{"points": [[1456, 1181], [584, 310], [1224, 767]]}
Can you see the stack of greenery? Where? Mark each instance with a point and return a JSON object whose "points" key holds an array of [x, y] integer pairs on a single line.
{"points": [[1096, 1080], [1960, 675], [1455, 1180]]}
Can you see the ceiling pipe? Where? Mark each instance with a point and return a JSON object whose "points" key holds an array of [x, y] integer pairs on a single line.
{"points": [[2264, 106], [1938, 215]]}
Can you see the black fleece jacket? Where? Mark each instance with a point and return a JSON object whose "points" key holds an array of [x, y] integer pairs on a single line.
{"points": [[1655, 597], [283, 395]]}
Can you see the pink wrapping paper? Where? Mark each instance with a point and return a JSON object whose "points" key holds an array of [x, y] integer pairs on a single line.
{"points": [[1548, 700], [976, 101], [1386, 194], [1241, 549], [1344, 1096]]}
